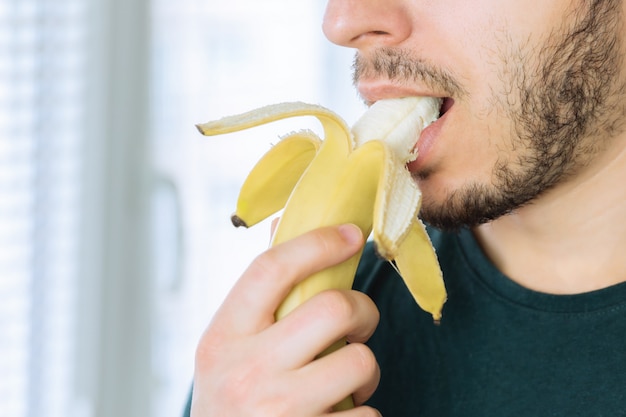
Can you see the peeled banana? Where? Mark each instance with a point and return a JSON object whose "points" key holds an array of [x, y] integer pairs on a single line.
{"points": [[355, 176]]}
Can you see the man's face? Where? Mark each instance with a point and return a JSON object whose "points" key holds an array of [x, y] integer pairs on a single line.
{"points": [[533, 92]]}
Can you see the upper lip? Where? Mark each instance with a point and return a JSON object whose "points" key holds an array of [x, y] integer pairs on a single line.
{"points": [[371, 92]]}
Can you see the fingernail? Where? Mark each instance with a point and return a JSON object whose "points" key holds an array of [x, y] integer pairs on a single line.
{"points": [[351, 233]]}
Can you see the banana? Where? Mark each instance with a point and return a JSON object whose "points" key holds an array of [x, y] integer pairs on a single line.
{"points": [[281, 167], [355, 176]]}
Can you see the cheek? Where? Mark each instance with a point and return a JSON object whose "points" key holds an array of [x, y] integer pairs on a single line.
{"points": [[468, 152], [487, 131], [474, 159]]}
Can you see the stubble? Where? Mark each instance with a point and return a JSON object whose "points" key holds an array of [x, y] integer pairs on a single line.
{"points": [[563, 97]]}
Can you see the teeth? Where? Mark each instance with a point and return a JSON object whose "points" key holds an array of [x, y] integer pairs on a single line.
{"points": [[397, 122]]}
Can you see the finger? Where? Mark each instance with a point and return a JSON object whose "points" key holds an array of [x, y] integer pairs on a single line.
{"points": [[251, 304], [273, 226], [322, 320], [351, 369], [362, 411]]}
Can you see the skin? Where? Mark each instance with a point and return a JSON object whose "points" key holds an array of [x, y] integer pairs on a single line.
{"points": [[555, 98], [561, 231], [248, 365], [532, 153]]}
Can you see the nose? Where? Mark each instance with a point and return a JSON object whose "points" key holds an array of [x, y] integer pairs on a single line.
{"points": [[359, 23]]}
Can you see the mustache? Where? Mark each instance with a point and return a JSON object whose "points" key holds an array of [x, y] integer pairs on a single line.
{"points": [[398, 65]]}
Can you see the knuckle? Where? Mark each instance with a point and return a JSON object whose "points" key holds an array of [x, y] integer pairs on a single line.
{"points": [[364, 360], [368, 310], [322, 241], [241, 384], [268, 268], [337, 305], [367, 411], [266, 264], [235, 389], [208, 351], [234, 362], [275, 406]]}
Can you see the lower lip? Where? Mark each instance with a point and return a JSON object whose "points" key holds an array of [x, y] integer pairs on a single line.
{"points": [[425, 143]]}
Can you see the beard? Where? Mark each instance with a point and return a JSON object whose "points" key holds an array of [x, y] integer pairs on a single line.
{"points": [[563, 98]]}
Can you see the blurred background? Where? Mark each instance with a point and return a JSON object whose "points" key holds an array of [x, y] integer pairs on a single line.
{"points": [[116, 245]]}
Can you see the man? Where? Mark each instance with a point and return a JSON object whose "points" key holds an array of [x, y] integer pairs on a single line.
{"points": [[523, 179]]}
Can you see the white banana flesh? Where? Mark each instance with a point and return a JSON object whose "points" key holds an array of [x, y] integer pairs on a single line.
{"points": [[397, 122]]}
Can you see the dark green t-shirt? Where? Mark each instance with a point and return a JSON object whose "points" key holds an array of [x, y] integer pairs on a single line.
{"points": [[501, 350]]}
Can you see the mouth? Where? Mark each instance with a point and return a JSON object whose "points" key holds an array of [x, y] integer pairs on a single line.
{"points": [[372, 91], [428, 138], [446, 104]]}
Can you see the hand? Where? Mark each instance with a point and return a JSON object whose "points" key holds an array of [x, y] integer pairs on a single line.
{"points": [[249, 365]]}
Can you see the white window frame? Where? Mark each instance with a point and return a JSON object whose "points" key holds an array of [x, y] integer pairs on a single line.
{"points": [[113, 353]]}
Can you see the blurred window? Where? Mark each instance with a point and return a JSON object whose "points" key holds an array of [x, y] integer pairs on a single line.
{"points": [[74, 297], [42, 45]]}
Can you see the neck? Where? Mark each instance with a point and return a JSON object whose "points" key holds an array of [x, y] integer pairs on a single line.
{"points": [[571, 239]]}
